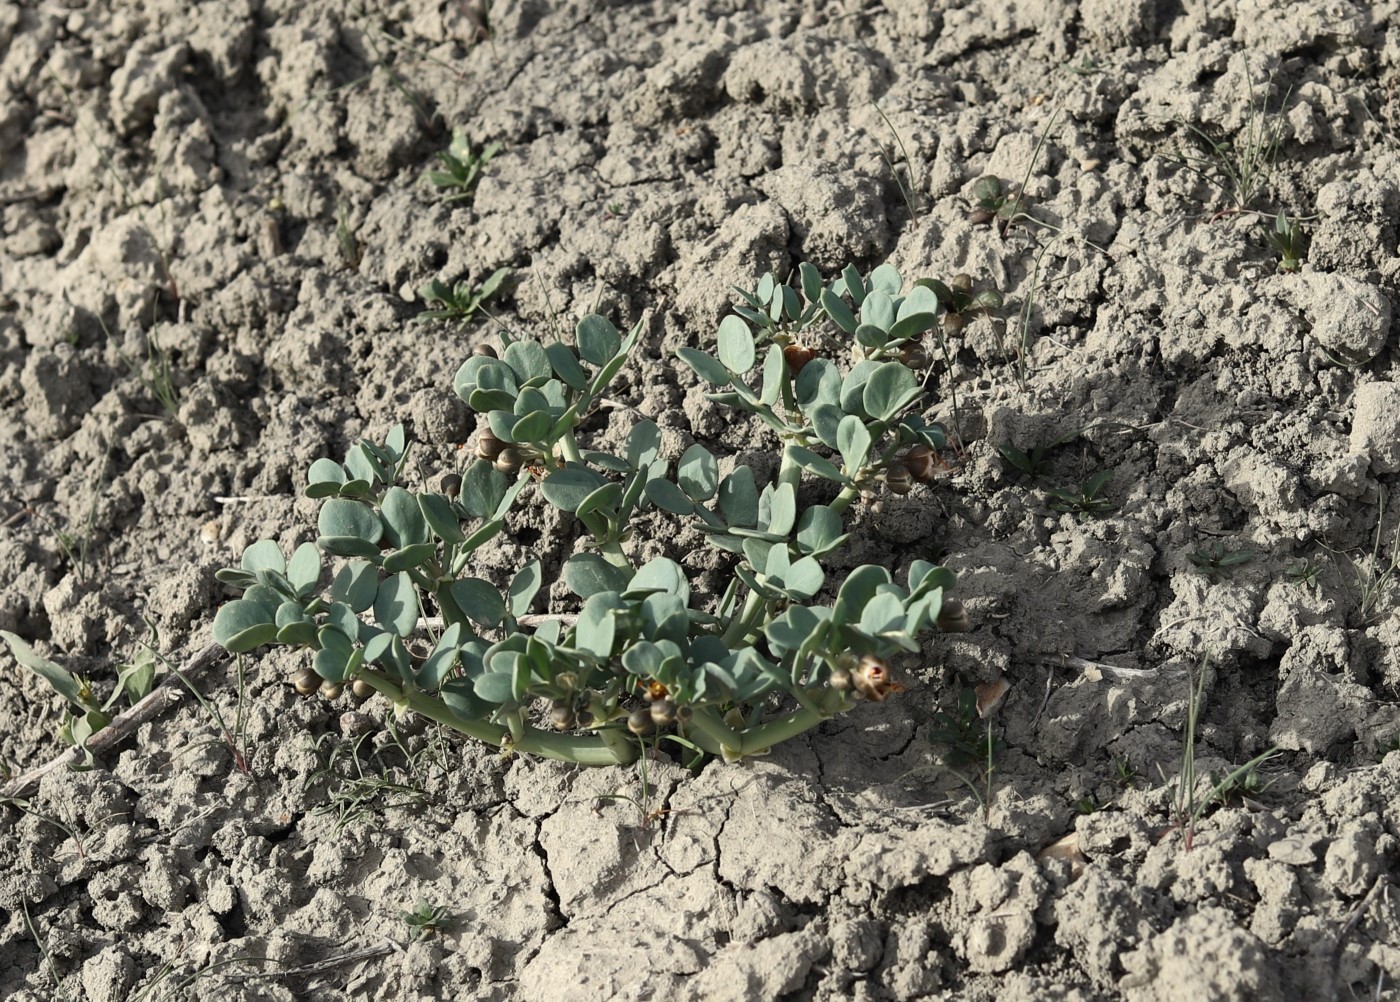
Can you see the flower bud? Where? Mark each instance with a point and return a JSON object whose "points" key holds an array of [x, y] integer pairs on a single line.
{"points": [[451, 483], [797, 356], [953, 617], [509, 460], [899, 480], [872, 679], [306, 681], [488, 446], [639, 722]]}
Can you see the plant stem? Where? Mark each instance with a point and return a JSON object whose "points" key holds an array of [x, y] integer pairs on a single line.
{"points": [[759, 739], [744, 620], [716, 730], [569, 446], [602, 748]]}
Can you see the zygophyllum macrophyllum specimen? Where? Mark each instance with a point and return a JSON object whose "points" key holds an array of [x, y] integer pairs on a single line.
{"points": [[733, 677]]}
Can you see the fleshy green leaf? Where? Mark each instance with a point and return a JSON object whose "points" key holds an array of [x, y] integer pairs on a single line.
{"points": [[707, 367], [890, 388], [479, 600], [483, 487], [643, 444], [853, 442], [697, 473], [264, 555], [598, 340], [396, 605], [404, 523], [239, 626], [668, 497], [738, 498], [441, 518], [567, 488], [588, 574], [523, 588], [304, 569], [342, 517], [736, 347], [838, 311]]}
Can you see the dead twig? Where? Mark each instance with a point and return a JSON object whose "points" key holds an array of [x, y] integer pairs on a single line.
{"points": [[321, 966], [156, 702]]}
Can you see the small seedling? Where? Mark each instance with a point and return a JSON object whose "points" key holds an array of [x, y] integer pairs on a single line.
{"points": [[907, 191], [1240, 167], [1087, 499], [969, 743], [1125, 775], [86, 714], [1385, 748], [347, 241], [1215, 561], [1033, 463], [1088, 804], [961, 300], [1287, 239], [462, 167], [426, 919], [1305, 573], [995, 199], [459, 302], [629, 656], [1243, 784], [361, 786], [1086, 67]]}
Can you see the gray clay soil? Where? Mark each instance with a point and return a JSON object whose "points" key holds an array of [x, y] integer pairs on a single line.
{"points": [[241, 184]]}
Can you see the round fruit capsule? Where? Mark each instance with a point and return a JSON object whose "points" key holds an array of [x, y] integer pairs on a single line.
{"points": [[485, 350], [961, 282], [450, 484], [953, 617], [953, 323], [872, 679], [663, 713], [797, 356], [914, 355], [331, 690], [840, 679], [921, 462], [899, 480], [561, 715], [306, 681], [361, 689], [509, 460], [488, 446], [980, 217], [639, 722]]}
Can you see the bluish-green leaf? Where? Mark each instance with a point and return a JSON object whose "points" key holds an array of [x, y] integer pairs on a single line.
{"points": [[404, 524], [239, 626], [265, 554], [859, 588], [878, 310], [408, 557], [738, 498], [567, 488], [821, 466], [304, 569], [342, 517], [483, 487], [479, 600], [597, 624], [707, 367], [495, 687], [528, 361], [736, 347], [668, 497], [441, 518], [782, 515], [588, 574], [356, 584], [838, 311], [775, 375], [819, 530], [697, 473], [440, 663], [661, 574], [818, 382], [853, 442], [566, 365], [396, 605], [333, 660], [886, 279], [853, 386], [643, 444], [890, 388], [523, 588], [884, 613], [598, 340]]}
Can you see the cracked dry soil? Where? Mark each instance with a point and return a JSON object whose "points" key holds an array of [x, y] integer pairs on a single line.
{"points": [[240, 182]]}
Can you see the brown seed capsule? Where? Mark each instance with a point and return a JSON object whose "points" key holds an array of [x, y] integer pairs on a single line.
{"points": [[331, 690], [899, 480], [639, 722], [953, 323], [561, 715], [961, 282], [663, 713], [872, 679], [840, 679], [488, 446], [914, 355], [980, 217], [485, 350], [361, 689], [921, 462], [684, 713], [797, 356], [509, 460], [306, 681], [450, 484], [953, 617]]}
